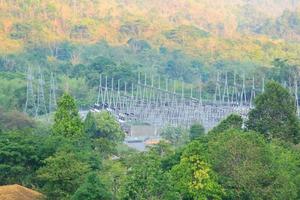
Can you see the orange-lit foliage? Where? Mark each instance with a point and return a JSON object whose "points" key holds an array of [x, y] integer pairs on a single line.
{"points": [[115, 21]]}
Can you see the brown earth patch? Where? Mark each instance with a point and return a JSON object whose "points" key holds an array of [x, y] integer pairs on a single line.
{"points": [[17, 192]]}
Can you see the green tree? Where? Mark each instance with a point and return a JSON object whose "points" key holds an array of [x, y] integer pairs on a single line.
{"points": [[92, 189], [233, 121], [113, 175], [104, 147], [23, 153], [67, 121], [146, 179], [19, 157], [108, 127], [274, 114], [106, 133], [161, 149], [175, 135], [196, 131], [172, 159], [247, 166], [241, 160], [285, 171], [282, 70], [62, 174], [90, 126], [192, 178]]}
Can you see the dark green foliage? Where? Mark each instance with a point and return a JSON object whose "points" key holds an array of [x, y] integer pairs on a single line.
{"points": [[247, 166], [242, 162], [172, 159], [104, 146], [19, 157], [92, 189], [146, 179], [162, 149], [22, 153], [54, 164], [101, 64], [20, 31], [286, 170], [282, 71], [90, 127], [174, 69], [233, 121], [108, 127], [192, 31], [138, 45], [62, 174], [232, 164], [274, 114], [67, 121], [64, 51], [163, 50], [113, 175], [104, 131], [12, 91], [196, 131], [107, 67]]}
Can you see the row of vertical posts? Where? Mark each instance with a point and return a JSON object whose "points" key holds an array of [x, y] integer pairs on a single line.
{"points": [[35, 104], [161, 106], [149, 101]]}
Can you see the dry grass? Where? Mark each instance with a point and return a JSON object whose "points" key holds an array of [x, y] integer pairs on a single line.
{"points": [[17, 192]]}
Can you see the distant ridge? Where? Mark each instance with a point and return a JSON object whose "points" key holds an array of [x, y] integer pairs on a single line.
{"points": [[248, 30]]}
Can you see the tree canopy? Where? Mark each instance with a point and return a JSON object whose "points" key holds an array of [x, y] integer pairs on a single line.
{"points": [[233, 121], [67, 121], [62, 174], [108, 128], [274, 114], [196, 131], [92, 189], [73, 160]]}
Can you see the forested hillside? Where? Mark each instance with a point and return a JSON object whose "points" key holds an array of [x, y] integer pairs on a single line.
{"points": [[235, 30], [179, 39], [53, 54]]}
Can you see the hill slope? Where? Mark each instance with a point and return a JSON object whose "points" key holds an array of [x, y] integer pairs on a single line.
{"points": [[222, 29]]}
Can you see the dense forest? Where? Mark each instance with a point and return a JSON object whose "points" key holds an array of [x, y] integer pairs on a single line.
{"points": [[75, 159], [73, 41]]}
